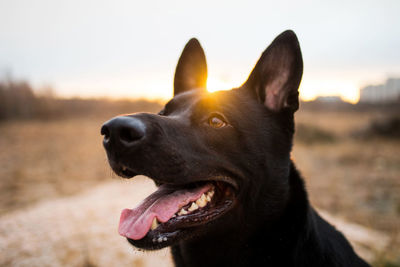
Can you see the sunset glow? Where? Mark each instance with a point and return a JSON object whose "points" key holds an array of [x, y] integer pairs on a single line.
{"points": [[117, 57], [309, 89], [215, 84], [347, 90]]}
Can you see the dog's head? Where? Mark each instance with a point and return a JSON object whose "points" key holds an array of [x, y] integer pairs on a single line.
{"points": [[213, 156]]}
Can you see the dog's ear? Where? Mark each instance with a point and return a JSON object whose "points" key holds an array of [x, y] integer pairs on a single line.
{"points": [[276, 77], [191, 71]]}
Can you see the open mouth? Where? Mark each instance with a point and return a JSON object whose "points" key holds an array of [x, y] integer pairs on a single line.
{"points": [[172, 210]]}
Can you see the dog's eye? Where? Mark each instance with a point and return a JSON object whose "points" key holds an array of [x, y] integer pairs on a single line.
{"points": [[216, 122]]}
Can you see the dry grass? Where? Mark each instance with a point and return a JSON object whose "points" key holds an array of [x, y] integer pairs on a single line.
{"points": [[354, 179], [45, 160]]}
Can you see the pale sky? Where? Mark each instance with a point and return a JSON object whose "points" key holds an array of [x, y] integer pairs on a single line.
{"points": [[130, 48]]}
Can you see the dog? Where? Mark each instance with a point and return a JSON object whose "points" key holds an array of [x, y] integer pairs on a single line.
{"points": [[228, 192]]}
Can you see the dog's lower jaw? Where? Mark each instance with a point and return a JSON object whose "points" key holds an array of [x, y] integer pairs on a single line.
{"points": [[243, 240]]}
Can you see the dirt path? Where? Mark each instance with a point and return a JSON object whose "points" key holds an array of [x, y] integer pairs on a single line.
{"points": [[82, 231]]}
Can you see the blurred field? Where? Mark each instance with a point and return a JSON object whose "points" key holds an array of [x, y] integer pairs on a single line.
{"points": [[354, 178], [59, 160]]}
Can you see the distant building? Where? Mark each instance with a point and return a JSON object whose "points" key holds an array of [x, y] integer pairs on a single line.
{"points": [[388, 92]]}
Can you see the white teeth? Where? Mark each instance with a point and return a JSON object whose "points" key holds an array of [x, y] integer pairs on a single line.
{"points": [[164, 238], [202, 201], [193, 207], [160, 239], [182, 212], [154, 224]]}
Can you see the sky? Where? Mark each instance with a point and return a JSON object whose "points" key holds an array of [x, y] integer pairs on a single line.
{"points": [[130, 48]]}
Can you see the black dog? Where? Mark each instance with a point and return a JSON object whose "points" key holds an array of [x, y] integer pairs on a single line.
{"points": [[228, 193]]}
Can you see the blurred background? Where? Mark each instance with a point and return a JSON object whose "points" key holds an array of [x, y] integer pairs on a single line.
{"points": [[68, 66]]}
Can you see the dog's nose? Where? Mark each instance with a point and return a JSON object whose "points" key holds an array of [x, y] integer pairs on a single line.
{"points": [[123, 131]]}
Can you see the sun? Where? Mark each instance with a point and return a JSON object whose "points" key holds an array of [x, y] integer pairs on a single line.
{"points": [[215, 84]]}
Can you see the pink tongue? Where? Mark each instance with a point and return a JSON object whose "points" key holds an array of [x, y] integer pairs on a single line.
{"points": [[163, 204]]}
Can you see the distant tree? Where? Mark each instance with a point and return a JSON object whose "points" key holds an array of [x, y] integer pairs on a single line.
{"points": [[17, 100]]}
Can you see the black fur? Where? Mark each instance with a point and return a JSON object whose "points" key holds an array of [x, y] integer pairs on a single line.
{"points": [[271, 222]]}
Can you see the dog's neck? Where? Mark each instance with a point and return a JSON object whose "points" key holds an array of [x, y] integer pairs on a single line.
{"points": [[237, 247]]}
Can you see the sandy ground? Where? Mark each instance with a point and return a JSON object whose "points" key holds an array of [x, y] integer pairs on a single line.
{"points": [[81, 230]]}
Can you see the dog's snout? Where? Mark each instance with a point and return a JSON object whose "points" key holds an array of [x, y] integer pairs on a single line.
{"points": [[123, 131]]}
